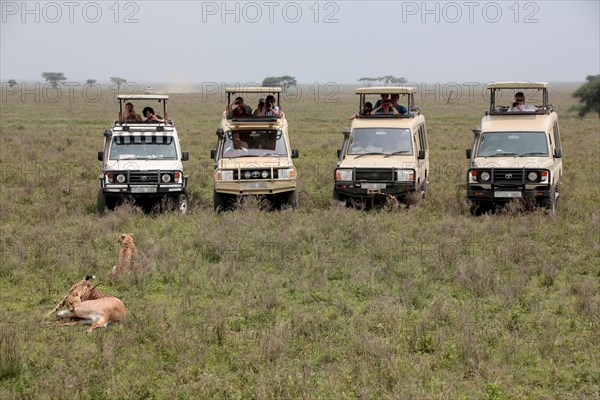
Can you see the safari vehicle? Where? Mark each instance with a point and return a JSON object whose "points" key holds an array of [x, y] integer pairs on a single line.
{"points": [[515, 154], [253, 154], [383, 156], [142, 161]]}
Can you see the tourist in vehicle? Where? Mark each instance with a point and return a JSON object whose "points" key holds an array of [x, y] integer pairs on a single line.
{"points": [[385, 109], [261, 109], [130, 115], [236, 143], [239, 109], [519, 104], [365, 111], [150, 116], [384, 96], [272, 109], [401, 109]]}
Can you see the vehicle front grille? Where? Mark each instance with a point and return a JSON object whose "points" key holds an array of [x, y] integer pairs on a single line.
{"points": [[255, 174], [143, 177], [375, 174], [508, 176]]}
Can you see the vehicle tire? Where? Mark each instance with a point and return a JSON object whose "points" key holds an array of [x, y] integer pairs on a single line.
{"points": [[101, 203], [550, 203], [423, 189], [181, 202], [291, 199], [476, 208], [219, 202], [338, 197]]}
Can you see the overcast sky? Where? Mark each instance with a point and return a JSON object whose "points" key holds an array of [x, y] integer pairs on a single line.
{"points": [[336, 41]]}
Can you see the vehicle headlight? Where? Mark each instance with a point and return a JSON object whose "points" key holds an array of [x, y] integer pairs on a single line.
{"points": [[532, 176], [287, 173], [484, 176], [264, 174], [121, 178], [405, 175], [166, 178], [224, 175], [343, 174]]}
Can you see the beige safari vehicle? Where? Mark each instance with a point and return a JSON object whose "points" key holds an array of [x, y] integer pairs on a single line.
{"points": [[383, 155], [253, 155], [516, 154]]}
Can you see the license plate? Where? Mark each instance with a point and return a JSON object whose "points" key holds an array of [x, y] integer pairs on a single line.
{"points": [[255, 185], [507, 195], [143, 189], [373, 185]]}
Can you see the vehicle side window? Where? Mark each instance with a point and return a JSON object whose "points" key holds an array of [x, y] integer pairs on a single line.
{"points": [[556, 135], [422, 137]]}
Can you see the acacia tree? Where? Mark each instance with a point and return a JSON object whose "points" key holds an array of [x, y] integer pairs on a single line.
{"points": [[90, 81], [283, 81], [589, 96], [12, 83], [118, 81], [54, 77]]}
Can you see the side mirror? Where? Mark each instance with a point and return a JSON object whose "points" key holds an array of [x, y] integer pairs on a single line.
{"points": [[468, 152], [421, 155], [100, 156], [346, 132], [213, 154], [185, 156], [339, 153], [558, 153], [220, 132], [107, 133], [295, 154]]}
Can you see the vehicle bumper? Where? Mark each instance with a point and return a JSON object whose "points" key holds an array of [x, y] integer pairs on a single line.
{"points": [[504, 194], [142, 190], [255, 187], [370, 189]]}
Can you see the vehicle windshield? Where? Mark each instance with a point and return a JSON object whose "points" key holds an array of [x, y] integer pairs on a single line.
{"points": [[515, 144], [259, 143], [143, 148], [380, 141]]}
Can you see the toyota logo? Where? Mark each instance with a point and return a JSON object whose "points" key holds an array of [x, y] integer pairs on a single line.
{"points": [[508, 176], [255, 174], [143, 178]]}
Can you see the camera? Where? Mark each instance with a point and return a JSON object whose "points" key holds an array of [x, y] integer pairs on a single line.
{"points": [[515, 104]]}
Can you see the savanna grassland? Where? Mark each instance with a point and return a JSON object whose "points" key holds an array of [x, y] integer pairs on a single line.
{"points": [[425, 302]]}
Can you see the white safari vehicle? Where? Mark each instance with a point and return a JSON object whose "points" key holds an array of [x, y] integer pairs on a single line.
{"points": [[143, 161], [384, 153], [516, 152], [253, 154]]}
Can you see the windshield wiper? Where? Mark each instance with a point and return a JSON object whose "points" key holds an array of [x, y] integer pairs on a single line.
{"points": [[244, 155], [501, 154], [397, 152], [369, 154], [533, 153]]}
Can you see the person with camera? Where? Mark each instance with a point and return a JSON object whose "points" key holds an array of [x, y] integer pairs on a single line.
{"points": [[385, 108], [365, 111], [130, 115], [272, 109], [150, 116], [239, 109], [519, 104]]}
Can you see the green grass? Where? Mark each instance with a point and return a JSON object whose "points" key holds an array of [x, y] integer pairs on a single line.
{"points": [[425, 302]]}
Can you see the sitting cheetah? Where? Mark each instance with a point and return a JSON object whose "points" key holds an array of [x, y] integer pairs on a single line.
{"points": [[82, 290], [127, 257]]}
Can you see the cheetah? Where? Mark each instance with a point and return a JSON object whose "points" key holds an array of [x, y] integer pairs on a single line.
{"points": [[127, 259], [82, 290]]}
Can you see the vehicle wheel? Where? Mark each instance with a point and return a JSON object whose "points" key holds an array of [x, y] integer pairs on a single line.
{"points": [[219, 201], [181, 202], [550, 203], [338, 197], [476, 208], [104, 202], [423, 189], [291, 199]]}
